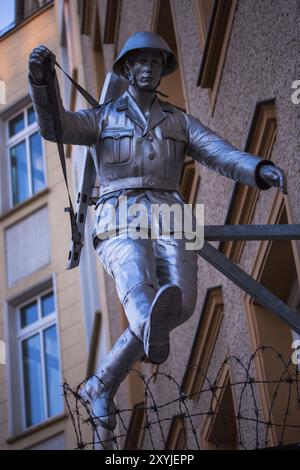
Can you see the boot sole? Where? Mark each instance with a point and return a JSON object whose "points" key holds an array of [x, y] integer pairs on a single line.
{"points": [[167, 304]]}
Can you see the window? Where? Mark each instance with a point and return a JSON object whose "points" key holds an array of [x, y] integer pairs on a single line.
{"points": [[260, 142], [8, 16], [111, 21], [276, 266], [39, 359], [215, 23], [204, 343], [136, 431], [204, 10], [14, 12], [220, 430], [26, 156], [163, 24], [91, 36], [177, 436]]}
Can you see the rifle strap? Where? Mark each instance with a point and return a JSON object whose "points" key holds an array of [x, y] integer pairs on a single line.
{"points": [[90, 99], [49, 77]]}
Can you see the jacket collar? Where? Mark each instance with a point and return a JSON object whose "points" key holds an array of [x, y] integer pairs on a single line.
{"points": [[158, 112]]}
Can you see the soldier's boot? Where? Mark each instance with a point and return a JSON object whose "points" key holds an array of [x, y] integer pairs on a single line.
{"points": [[167, 304], [101, 388], [149, 313]]}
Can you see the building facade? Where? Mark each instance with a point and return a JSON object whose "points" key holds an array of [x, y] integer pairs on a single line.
{"points": [[237, 62]]}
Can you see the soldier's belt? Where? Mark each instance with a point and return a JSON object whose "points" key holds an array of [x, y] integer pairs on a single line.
{"points": [[147, 182]]}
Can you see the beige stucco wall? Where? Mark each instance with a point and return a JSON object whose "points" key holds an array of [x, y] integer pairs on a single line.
{"points": [[14, 52]]}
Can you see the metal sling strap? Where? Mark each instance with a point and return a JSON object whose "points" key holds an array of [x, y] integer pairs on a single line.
{"points": [[49, 76]]}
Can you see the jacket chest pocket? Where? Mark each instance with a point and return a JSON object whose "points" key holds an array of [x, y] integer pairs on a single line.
{"points": [[116, 146], [175, 143]]}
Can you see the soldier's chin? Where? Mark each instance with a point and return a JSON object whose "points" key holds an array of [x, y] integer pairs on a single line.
{"points": [[147, 87]]}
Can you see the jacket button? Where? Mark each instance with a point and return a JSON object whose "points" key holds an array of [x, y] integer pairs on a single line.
{"points": [[150, 137], [151, 156]]}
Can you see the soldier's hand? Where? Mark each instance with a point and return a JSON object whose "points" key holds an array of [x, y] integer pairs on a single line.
{"points": [[38, 58], [274, 176]]}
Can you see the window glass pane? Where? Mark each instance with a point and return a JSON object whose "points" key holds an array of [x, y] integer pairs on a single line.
{"points": [[48, 304], [52, 372], [31, 115], [34, 406], [29, 314], [16, 124], [37, 166], [19, 172], [8, 15]]}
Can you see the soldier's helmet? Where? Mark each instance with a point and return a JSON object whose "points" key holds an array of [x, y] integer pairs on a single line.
{"points": [[146, 40]]}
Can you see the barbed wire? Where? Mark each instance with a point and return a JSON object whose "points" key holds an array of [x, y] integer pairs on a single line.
{"points": [[245, 424]]}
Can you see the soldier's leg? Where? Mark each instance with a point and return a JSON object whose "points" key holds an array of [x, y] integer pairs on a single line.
{"points": [[176, 265], [132, 264], [101, 388]]}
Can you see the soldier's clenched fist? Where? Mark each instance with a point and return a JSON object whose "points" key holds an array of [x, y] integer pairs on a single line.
{"points": [[37, 60]]}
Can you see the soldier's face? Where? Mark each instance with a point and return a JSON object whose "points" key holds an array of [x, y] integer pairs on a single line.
{"points": [[147, 68]]}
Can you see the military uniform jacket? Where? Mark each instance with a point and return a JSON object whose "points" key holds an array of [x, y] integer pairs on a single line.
{"points": [[139, 155]]}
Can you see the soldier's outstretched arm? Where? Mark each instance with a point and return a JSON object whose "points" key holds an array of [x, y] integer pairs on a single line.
{"points": [[218, 154], [80, 127]]}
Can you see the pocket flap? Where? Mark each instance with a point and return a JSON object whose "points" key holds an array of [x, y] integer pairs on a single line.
{"points": [[117, 133], [178, 136]]}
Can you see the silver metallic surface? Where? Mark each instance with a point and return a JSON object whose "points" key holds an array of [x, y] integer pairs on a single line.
{"points": [[137, 281], [142, 158], [148, 182], [125, 145], [130, 152], [101, 388], [146, 40], [252, 232], [105, 225]]}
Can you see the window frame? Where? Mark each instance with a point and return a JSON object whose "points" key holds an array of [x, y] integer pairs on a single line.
{"points": [[204, 343], [261, 141], [225, 380], [14, 377], [177, 427], [215, 47], [21, 20], [23, 135], [37, 327], [137, 428], [279, 204]]}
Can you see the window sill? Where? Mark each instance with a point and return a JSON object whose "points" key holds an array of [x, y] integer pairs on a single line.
{"points": [[36, 428], [23, 204]]}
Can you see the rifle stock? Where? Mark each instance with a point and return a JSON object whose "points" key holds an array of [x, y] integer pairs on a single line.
{"points": [[84, 199]]}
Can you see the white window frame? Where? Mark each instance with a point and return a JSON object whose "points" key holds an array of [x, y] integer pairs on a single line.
{"points": [[14, 369], [24, 134], [36, 327]]}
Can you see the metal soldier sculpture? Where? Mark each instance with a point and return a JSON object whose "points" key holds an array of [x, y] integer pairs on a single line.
{"points": [[139, 143]]}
